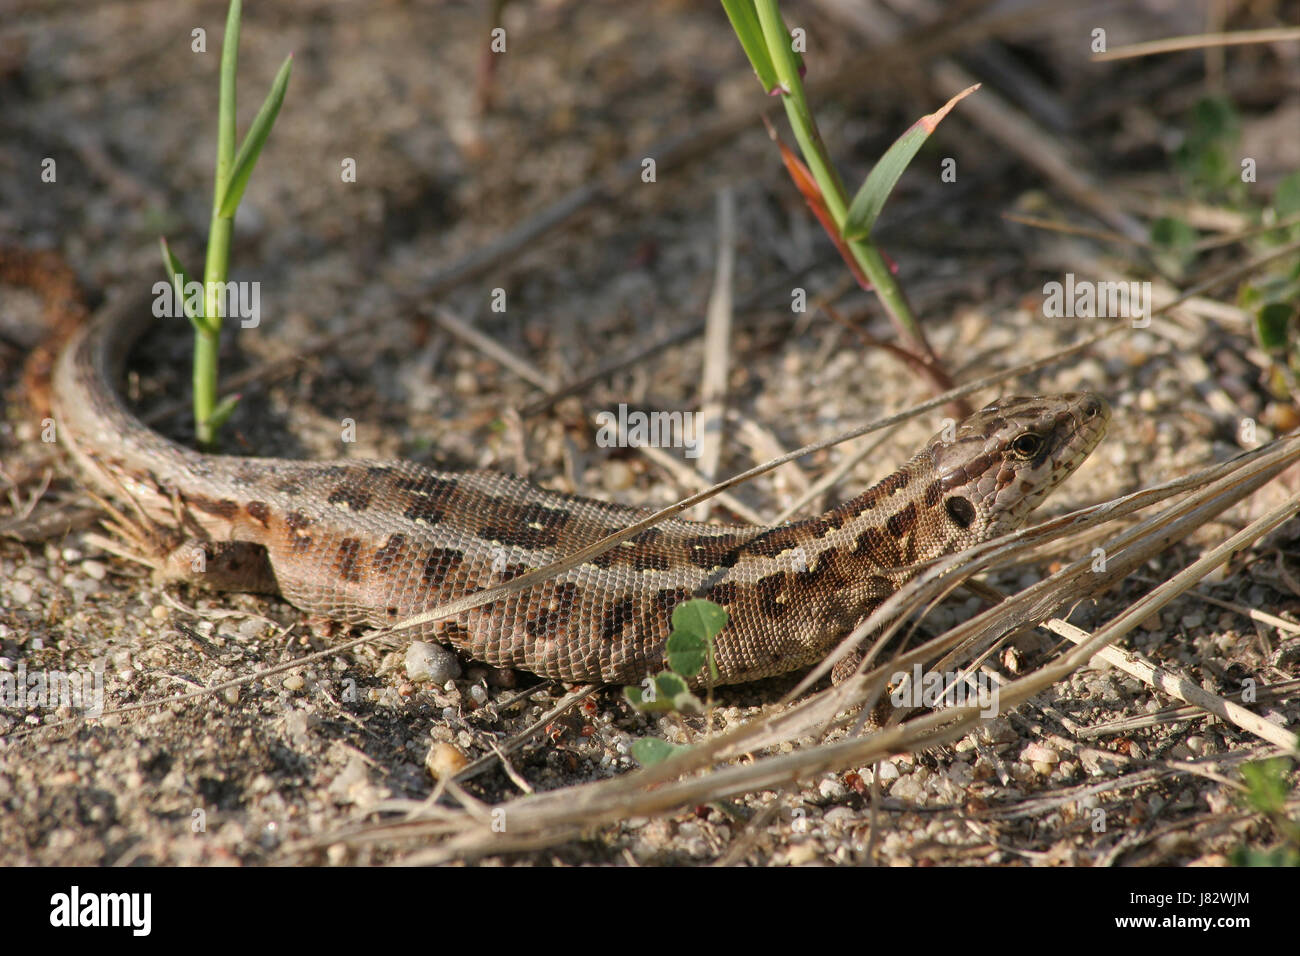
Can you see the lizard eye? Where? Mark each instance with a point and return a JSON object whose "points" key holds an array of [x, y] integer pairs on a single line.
{"points": [[1027, 445]]}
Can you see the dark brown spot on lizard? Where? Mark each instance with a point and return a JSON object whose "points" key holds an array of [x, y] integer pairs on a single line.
{"points": [[349, 551], [520, 537], [512, 571], [390, 555], [933, 494], [619, 615], [666, 599], [720, 551], [440, 564], [556, 603], [894, 483], [724, 593], [651, 561], [429, 486], [222, 508], [260, 512], [609, 556], [772, 599], [875, 543], [296, 521], [902, 523], [352, 496]]}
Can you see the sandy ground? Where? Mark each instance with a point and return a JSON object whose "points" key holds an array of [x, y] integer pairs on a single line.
{"points": [[272, 771]]}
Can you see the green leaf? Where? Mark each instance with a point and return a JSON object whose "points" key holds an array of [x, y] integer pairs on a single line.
{"points": [[1207, 155], [882, 179], [687, 653], [1267, 787], [649, 751], [700, 617], [226, 100], [251, 148], [1172, 233], [176, 274], [1273, 325], [1277, 856], [222, 412], [744, 20], [1286, 198], [1175, 243], [667, 692]]}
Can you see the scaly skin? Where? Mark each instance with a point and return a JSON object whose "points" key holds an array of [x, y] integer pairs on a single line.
{"points": [[373, 542]]}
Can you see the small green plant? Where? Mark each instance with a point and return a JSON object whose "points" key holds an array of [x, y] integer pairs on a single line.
{"points": [[1213, 171], [1274, 296], [1207, 156], [775, 55], [690, 649], [1267, 790], [232, 173]]}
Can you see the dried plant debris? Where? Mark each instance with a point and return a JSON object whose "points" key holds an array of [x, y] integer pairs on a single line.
{"points": [[501, 280]]}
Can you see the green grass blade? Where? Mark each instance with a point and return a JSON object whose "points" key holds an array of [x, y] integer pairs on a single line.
{"points": [[223, 411], [251, 148], [226, 99], [882, 179], [176, 273], [744, 20]]}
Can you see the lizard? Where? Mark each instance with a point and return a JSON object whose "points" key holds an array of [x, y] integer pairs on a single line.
{"points": [[368, 542]]}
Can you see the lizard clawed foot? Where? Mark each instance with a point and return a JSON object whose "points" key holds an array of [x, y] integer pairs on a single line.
{"points": [[176, 558]]}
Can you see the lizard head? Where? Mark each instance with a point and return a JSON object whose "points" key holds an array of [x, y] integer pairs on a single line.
{"points": [[997, 466]]}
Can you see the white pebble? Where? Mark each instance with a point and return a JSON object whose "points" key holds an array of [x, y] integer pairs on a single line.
{"points": [[1037, 753], [431, 662], [832, 789]]}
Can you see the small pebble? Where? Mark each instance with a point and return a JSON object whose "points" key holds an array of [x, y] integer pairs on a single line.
{"points": [[617, 476], [888, 771], [444, 760], [20, 592], [1037, 753], [431, 662], [95, 570], [251, 628], [293, 682], [832, 789], [802, 853]]}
